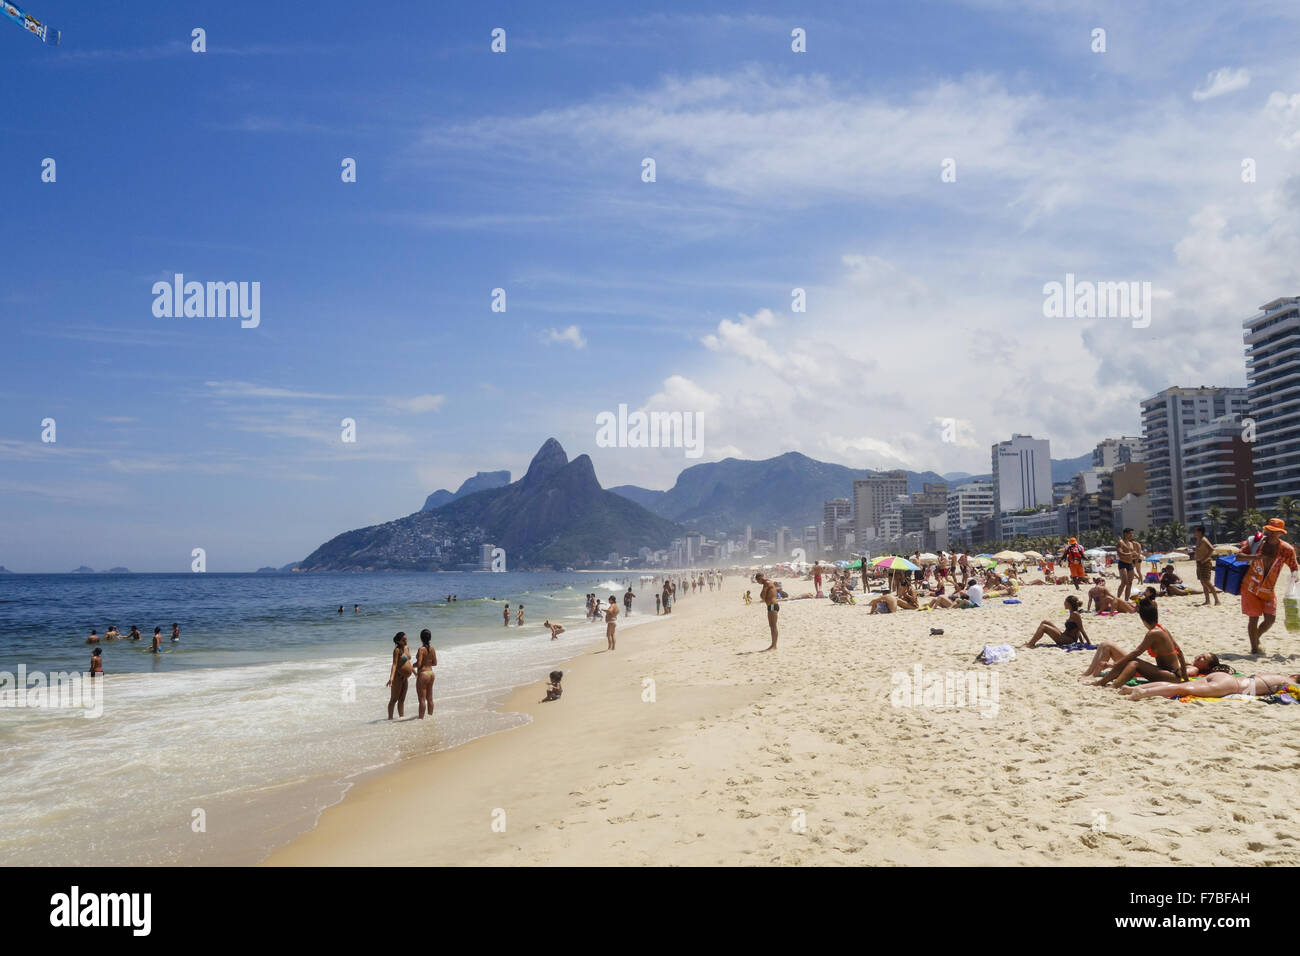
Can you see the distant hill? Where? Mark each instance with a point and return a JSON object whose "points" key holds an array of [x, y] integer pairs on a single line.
{"points": [[1063, 469], [482, 481], [4, 570], [83, 570], [556, 515], [790, 489]]}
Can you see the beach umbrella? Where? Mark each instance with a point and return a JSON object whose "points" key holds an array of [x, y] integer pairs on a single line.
{"points": [[985, 555], [1095, 553], [1034, 554], [891, 563], [986, 562], [1225, 549], [1177, 556], [1154, 558], [928, 558], [1008, 556]]}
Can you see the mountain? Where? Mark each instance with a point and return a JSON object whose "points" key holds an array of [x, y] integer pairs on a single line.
{"points": [[789, 490], [4, 570], [556, 515], [482, 481], [1063, 469], [83, 570]]}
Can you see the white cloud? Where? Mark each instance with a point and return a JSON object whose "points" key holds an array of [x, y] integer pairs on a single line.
{"points": [[419, 403], [1222, 81], [570, 335]]}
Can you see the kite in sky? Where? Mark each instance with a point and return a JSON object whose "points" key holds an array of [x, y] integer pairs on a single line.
{"points": [[31, 24]]}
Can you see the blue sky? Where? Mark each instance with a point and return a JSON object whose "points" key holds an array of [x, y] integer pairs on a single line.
{"points": [[522, 170]]}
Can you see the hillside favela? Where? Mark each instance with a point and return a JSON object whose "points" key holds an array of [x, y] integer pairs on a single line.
{"points": [[594, 436]]}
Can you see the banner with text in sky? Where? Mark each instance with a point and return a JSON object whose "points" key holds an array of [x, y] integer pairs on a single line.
{"points": [[31, 24]]}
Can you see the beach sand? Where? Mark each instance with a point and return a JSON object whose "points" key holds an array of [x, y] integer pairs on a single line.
{"points": [[800, 757]]}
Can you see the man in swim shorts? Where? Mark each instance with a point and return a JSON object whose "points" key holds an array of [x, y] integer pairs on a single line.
{"points": [[770, 601], [1204, 556]]}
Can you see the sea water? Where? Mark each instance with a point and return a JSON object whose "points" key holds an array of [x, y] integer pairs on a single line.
{"points": [[231, 742]]}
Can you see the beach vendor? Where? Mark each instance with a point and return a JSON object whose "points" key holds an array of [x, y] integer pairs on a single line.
{"points": [[1267, 556], [1074, 558]]}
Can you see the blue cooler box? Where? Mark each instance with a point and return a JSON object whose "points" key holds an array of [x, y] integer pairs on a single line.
{"points": [[1229, 572]]}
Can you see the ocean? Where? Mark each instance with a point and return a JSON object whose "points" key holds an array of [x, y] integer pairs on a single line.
{"points": [[230, 743]]}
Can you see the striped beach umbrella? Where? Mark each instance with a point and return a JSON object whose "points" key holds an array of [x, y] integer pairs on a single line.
{"points": [[891, 563]]}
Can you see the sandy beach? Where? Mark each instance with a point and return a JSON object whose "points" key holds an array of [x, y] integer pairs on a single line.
{"points": [[688, 747]]}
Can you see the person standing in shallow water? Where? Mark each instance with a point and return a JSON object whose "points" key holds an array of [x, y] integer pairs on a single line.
{"points": [[769, 598], [426, 659], [611, 615], [398, 675], [505, 616]]}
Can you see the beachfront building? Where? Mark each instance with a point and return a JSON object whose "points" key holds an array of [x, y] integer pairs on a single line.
{"points": [[1166, 418], [966, 505], [832, 512], [1089, 506], [694, 547], [1217, 470], [1129, 507], [1272, 338], [1022, 474], [782, 542], [1116, 451], [1043, 523], [485, 557], [870, 496]]}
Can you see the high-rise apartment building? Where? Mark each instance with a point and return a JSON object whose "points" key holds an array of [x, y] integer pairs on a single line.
{"points": [[1273, 374], [870, 497], [1166, 418], [1116, 451], [1022, 474]]}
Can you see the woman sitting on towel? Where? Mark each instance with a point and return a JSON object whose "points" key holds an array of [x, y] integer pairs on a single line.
{"points": [[884, 604], [1216, 684], [1062, 636], [907, 597], [1168, 664]]}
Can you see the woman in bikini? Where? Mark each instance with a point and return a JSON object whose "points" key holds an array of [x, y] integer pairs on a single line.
{"points": [[398, 675], [1059, 635], [1169, 663], [1216, 684], [426, 659]]}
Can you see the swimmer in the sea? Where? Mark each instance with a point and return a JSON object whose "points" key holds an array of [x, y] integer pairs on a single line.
{"points": [[157, 641]]}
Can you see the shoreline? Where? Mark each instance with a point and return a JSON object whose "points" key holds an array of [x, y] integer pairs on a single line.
{"points": [[346, 818], [806, 756]]}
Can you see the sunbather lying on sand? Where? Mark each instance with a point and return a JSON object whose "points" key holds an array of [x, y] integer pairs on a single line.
{"points": [[1216, 684]]}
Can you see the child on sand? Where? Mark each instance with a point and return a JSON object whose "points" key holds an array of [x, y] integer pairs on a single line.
{"points": [[553, 689]]}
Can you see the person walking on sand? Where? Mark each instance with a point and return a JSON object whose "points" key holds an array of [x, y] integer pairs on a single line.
{"points": [[611, 613], [771, 603], [398, 675], [1128, 554], [1204, 556], [1074, 558], [426, 659], [1258, 590]]}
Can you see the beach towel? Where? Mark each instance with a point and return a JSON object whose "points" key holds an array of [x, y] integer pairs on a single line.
{"points": [[1076, 646], [996, 654], [1011, 601]]}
